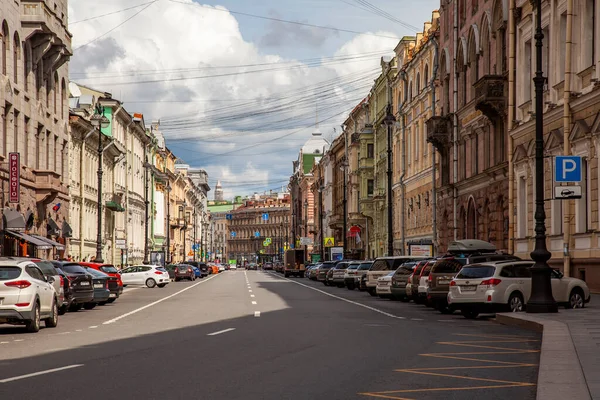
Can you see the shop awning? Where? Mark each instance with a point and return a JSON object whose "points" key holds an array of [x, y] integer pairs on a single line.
{"points": [[40, 244], [50, 242], [52, 227], [67, 232], [13, 220], [114, 206]]}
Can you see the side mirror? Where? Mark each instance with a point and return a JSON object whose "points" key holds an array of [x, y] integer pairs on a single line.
{"points": [[50, 279]]}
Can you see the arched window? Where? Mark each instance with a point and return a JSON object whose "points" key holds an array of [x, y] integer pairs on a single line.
{"points": [[485, 51], [418, 83], [410, 91], [26, 66], [471, 231], [462, 78], [426, 76], [63, 98], [16, 57], [55, 93], [5, 46], [473, 64]]}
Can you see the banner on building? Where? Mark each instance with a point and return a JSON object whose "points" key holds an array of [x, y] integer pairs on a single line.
{"points": [[14, 168], [420, 250]]}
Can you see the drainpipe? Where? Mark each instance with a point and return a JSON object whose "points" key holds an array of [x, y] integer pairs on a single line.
{"points": [[436, 58], [509, 126], [455, 126], [403, 166], [567, 204], [82, 192]]}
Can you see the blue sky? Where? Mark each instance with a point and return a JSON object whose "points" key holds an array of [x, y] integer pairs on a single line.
{"points": [[236, 95]]}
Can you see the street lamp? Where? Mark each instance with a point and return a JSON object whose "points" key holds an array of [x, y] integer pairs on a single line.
{"points": [[389, 121], [147, 165], [541, 300], [344, 168], [322, 245], [195, 244], [305, 228], [99, 121], [168, 222], [182, 210]]}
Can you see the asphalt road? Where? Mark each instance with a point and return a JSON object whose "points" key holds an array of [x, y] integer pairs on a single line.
{"points": [[256, 335]]}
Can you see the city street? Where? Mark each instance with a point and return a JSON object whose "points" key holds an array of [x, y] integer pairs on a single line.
{"points": [[257, 335]]}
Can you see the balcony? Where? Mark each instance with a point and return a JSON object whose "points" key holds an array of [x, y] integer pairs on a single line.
{"points": [[439, 129], [114, 203], [48, 185], [47, 32], [490, 96]]}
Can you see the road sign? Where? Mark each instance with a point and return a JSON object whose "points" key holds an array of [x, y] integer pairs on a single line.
{"points": [[567, 192], [120, 243], [328, 242], [229, 216], [257, 234], [195, 246], [306, 241], [233, 234], [265, 217], [567, 169], [190, 253], [14, 169], [265, 243], [268, 240]]}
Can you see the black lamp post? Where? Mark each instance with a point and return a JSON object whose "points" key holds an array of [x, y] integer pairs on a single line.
{"points": [[168, 258], [322, 246], [146, 212], [345, 207], [99, 121], [195, 244], [541, 300], [305, 228], [389, 121], [287, 231], [183, 214]]}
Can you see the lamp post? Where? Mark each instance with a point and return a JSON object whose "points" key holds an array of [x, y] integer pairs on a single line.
{"points": [[305, 227], [195, 244], [168, 258], [183, 207], [287, 231], [99, 121], [345, 208], [321, 228], [389, 121], [146, 217], [541, 300]]}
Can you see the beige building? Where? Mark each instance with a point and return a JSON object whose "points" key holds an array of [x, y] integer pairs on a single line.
{"points": [[413, 156], [36, 46], [571, 127]]}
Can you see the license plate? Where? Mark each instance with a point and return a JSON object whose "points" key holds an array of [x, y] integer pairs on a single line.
{"points": [[468, 288], [84, 284], [98, 285], [112, 295], [444, 282]]}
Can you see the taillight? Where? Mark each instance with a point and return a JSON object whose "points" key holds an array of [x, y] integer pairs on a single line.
{"points": [[62, 281], [452, 283], [158, 272], [21, 304], [19, 284], [430, 278], [491, 282]]}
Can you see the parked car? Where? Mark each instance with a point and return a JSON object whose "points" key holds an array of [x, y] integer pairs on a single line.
{"points": [[338, 273], [57, 280], [183, 271], [66, 286], [400, 280], [101, 290], [412, 285], [252, 266], [506, 285], [361, 275], [350, 275], [80, 282], [148, 275], [383, 266], [201, 266], [312, 273], [28, 297], [384, 286], [115, 284], [324, 269], [268, 266]]}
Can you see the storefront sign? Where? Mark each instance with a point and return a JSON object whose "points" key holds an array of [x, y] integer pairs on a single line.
{"points": [[14, 168], [420, 250]]}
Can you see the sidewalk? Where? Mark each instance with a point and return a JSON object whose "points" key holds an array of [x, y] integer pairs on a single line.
{"points": [[570, 355]]}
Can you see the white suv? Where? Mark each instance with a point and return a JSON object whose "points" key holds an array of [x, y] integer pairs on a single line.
{"points": [[26, 295], [506, 285]]}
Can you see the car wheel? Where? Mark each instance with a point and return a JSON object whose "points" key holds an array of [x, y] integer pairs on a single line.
{"points": [[576, 299], [350, 287], [515, 302], [161, 285], [75, 307], [102, 303], [177, 279], [111, 300], [469, 314], [62, 310], [150, 283], [404, 299], [34, 324], [372, 292], [52, 321], [89, 306]]}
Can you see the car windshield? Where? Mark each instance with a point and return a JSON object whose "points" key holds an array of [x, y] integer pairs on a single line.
{"points": [[96, 273], [46, 267], [109, 269], [73, 269], [380, 265], [8, 273], [476, 271], [353, 266], [365, 266]]}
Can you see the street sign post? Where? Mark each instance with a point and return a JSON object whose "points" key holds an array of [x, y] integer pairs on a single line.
{"points": [[329, 242], [567, 169], [229, 217], [233, 234]]}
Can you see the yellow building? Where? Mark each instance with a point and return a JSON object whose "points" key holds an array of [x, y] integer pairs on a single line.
{"points": [[414, 158]]}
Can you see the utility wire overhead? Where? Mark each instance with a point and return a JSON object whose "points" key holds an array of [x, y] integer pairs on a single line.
{"points": [[110, 13]]}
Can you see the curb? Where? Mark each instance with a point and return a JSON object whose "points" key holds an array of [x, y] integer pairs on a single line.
{"points": [[560, 375]]}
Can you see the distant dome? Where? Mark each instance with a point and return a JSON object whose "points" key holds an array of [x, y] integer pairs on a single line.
{"points": [[315, 144]]}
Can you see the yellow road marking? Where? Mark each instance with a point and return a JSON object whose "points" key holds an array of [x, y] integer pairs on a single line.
{"points": [[465, 377], [471, 359], [478, 346], [495, 336], [382, 394], [473, 367]]}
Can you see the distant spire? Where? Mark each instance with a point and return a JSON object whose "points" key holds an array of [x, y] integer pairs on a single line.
{"points": [[317, 116]]}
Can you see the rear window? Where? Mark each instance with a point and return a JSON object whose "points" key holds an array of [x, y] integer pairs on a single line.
{"points": [[446, 267], [46, 267], [365, 266], [341, 266], [73, 269], [96, 273], [380, 265], [475, 272], [161, 269], [353, 266], [109, 269], [8, 273], [405, 269]]}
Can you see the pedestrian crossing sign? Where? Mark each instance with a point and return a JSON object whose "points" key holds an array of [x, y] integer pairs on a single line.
{"points": [[329, 242]]}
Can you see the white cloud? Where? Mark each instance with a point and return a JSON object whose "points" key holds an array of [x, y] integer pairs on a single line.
{"points": [[171, 40]]}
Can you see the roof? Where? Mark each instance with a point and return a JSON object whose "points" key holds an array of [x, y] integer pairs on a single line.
{"points": [[220, 208], [316, 144]]}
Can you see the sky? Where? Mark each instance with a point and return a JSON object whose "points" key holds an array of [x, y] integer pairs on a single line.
{"points": [[239, 85]]}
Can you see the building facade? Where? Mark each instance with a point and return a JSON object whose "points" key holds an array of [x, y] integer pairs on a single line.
{"points": [[470, 130], [365, 177], [34, 122]]}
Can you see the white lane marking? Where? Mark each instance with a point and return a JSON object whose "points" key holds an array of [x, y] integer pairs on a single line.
{"points": [[48, 371], [346, 300], [251, 295], [250, 291], [257, 313], [4, 342], [110, 321], [78, 330], [93, 326], [19, 340], [219, 332], [254, 302], [446, 320]]}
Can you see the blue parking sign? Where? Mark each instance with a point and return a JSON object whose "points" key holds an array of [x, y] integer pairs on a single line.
{"points": [[567, 169]]}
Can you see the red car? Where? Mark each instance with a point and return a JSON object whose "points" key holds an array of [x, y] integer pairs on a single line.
{"points": [[115, 284], [184, 271]]}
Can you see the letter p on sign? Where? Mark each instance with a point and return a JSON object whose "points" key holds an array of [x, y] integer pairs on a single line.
{"points": [[567, 169]]}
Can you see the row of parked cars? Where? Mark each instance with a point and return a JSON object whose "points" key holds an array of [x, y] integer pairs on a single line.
{"points": [[472, 277], [33, 290]]}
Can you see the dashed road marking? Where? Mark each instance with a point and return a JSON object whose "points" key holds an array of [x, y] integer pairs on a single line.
{"points": [[249, 291], [19, 340], [251, 295], [220, 332], [416, 319], [257, 313], [93, 327], [48, 371], [4, 342], [254, 302]]}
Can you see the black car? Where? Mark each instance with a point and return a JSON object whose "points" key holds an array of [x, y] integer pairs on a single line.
{"points": [[252, 266], [201, 266], [81, 284], [101, 290]]}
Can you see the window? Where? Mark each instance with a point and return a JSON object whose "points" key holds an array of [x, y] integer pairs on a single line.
{"points": [[5, 129], [26, 141], [476, 272], [417, 140], [370, 150], [426, 76], [16, 117], [5, 46], [582, 214], [522, 207], [418, 84], [562, 43], [26, 67], [370, 187], [35, 273], [527, 74], [16, 57], [589, 34]]}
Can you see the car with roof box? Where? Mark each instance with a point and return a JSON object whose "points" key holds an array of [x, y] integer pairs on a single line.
{"points": [[383, 266]]}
